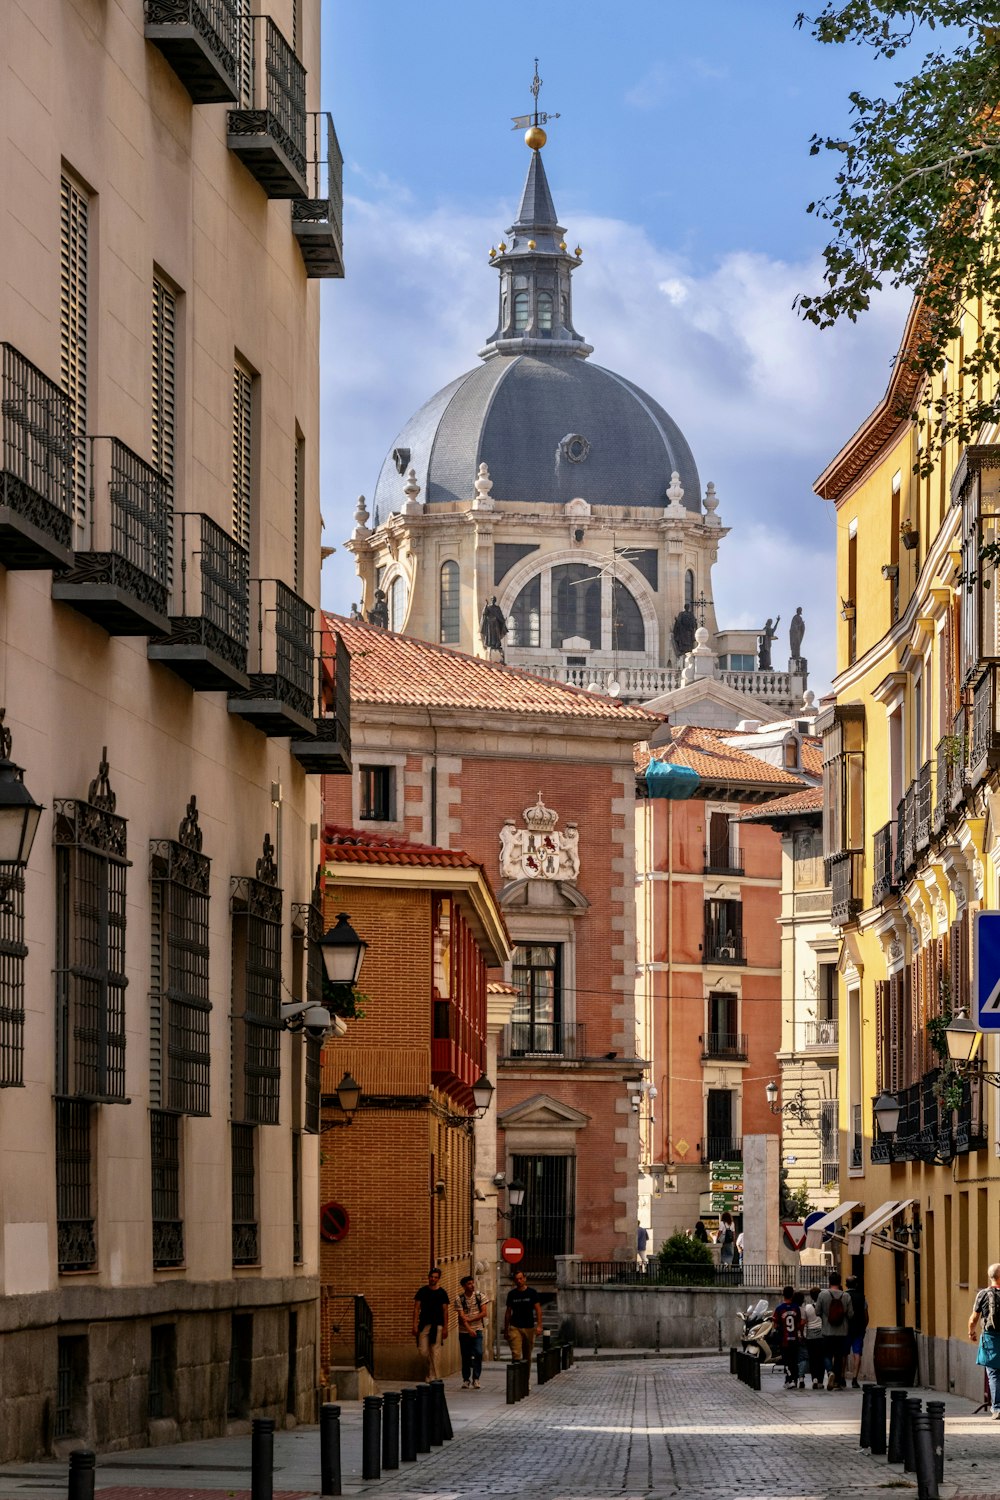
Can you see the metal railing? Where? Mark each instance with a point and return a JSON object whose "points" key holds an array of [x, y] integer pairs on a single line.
{"points": [[766, 1277], [224, 25], [213, 586], [722, 1148], [984, 731], [723, 862], [922, 827], [942, 782], [141, 509], [883, 874], [283, 626], [821, 1033], [38, 446], [168, 1242], [274, 81], [731, 1044], [543, 1038], [325, 175], [845, 894], [723, 947], [246, 1243]]}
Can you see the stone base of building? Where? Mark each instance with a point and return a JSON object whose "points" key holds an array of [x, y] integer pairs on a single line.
{"points": [[144, 1366]]}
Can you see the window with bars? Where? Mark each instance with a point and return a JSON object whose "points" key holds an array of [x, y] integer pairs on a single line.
{"points": [[75, 1234], [256, 915], [297, 1256], [450, 614], [163, 384], [13, 951], [74, 206], [242, 456], [91, 865], [299, 515], [70, 1415], [165, 1161], [180, 1008], [829, 1142], [246, 1231]]}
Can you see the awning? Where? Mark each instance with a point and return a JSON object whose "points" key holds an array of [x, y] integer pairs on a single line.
{"points": [[864, 1231], [817, 1230]]}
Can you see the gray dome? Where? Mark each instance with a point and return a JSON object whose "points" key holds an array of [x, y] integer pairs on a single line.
{"points": [[516, 413]]}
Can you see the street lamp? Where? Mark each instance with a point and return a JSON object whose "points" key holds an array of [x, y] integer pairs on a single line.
{"points": [[795, 1106], [482, 1094], [19, 812], [886, 1112], [962, 1036], [343, 952], [348, 1096], [515, 1193]]}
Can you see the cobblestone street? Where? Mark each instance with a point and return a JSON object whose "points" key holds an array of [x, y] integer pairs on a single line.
{"points": [[635, 1429]]}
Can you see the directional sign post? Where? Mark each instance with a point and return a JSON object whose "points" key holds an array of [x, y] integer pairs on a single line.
{"points": [[986, 970]]}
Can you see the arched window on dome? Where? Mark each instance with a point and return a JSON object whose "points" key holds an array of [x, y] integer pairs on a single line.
{"points": [[688, 589], [627, 630], [449, 602], [576, 605], [545, 310], [524, 623], [520, 311], [398, 595]]}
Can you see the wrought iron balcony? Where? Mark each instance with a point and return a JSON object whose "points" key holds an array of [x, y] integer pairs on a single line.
{"points": [[281, 696], [207, 641], [122, 581], [845, 882], [723, 947], [318, 221], [822, 1036], [922, 825], [970, 1117], [906, 834], [543, 1039], [731, 1045], [203, 41], [722, 1148], [958, 761], [268, 131], [723, 862], [168, 1243], [246, 1244], [76, 1244], [985, 752], [36, 481], [883, 875], [328, 752]]}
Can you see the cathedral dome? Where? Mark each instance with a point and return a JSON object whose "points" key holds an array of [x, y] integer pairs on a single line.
{"points": [[550, 426]]}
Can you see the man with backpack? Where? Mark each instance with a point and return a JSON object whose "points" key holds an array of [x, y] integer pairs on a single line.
{"points": [[857, 1323], [836, 1310], [987, 1307], [787, 1319]]}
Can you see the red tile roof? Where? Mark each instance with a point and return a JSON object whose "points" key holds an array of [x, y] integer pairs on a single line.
{"points": [[401, 670], [708, 752], [812, 757], [808, 801], [352, 846]]}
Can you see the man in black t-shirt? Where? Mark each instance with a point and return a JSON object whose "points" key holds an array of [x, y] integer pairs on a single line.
{"points": [[430, 1319], [523, 1318]]}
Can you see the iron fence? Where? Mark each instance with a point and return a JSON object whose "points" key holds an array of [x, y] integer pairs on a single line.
{"points": [[883, 879], [38, 445], [213, 587]]}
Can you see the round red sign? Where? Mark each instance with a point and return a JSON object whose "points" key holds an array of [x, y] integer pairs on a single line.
{"points": [[512, 1251], [334, 1222]]}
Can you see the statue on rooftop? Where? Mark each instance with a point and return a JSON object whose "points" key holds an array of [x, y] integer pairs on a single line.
{"points": [[493, 627], [764, 643], [796, 631], [683, 630], [379, 612]]}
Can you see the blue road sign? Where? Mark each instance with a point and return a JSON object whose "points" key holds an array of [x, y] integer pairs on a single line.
{"points": [[814, 1218], [986, 970]]}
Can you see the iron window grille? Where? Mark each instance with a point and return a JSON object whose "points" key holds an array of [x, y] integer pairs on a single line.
{"points": [[75, 1234], [297, 1198], [91, 865], [71, 1386], [13, 951], [38, 446], [256, 904], [74, 207], [180, 1060], [246, 1231], [165, 1159]]}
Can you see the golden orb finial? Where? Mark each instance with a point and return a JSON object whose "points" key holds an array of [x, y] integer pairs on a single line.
{"points": [[492, 252], [535, 137], [531, 245], [578, 252], [503, 246]]}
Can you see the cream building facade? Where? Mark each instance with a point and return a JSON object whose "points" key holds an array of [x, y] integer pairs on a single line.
{"points": [[170, 193]]}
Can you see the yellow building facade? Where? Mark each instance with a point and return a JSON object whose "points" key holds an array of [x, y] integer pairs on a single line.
{"points": [[911, 758]]}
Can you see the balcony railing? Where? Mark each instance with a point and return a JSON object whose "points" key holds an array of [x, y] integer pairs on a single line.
{"points": [[318, 221], [958, 762], [543, 1039], [207, 642], [281, 697], [942, 784], [857, 1138], [328, 752], [845, 883], [723, 947], [722, 1148], [203, 41], [922, 829], [246, 1244], [731, 1045], [909, 827], [883, 874], [268, 131], [822, 1034], [985, 751], [168, 1242], [36, 480], [76, 1244], [122, 581], [970, 1117], [723, 862]]}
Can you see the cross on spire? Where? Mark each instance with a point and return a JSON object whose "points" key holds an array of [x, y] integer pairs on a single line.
{"points": [[537, 117]]}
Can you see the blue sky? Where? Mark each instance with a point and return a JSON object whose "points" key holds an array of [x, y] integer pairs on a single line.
{"points": [[680, 162]]}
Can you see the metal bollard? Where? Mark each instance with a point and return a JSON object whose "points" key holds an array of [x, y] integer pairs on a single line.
{"points": [[911, 1408], [82, 1467], [408, 1427], [371, 1438], [923, 1452], [445, 1415], [897, 1401], [329, 1449], [423, 1419], [865, 1437], [935, 1410], [512, 1383], [390, 1429], [546, 1339], [658, 1335], [262, 1458], [877, 1412], [597, 1334], [435, 1391]]}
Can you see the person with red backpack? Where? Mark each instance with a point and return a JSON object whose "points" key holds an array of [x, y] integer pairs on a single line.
{"points": [[836, 1310], [787, 1320]]}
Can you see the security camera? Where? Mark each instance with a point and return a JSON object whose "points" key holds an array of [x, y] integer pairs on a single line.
{"points": [[439, 1185], [499, 1180], [317, 1023]]}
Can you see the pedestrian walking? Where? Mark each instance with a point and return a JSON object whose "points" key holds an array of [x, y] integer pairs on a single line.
{"points": [[470, 1308], [813, 1339], [642, 1245], [787, 1320], [700, 1232], [739, 1248], [835, 1308], [987, 1308], [430, 1320], [522, 1318], [857, 1323], [726, 1240]]}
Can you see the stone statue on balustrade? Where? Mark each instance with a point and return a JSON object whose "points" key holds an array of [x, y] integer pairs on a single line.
{"points": [[764, 642], [493, 627], [796, 631], [683, 631]]}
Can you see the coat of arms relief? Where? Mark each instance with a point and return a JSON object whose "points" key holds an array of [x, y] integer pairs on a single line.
{"points": [[537, 851]]}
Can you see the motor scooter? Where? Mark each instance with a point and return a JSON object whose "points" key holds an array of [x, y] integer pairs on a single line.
{"points": [[759, 1338]]}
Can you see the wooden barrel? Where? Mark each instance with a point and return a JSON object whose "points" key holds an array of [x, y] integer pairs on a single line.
{"points": [[895, 1356]]}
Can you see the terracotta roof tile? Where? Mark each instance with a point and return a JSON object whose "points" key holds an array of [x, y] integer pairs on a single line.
{"points": [[812, 757], [808, 801], [708, 752], [399, 669], [352, 846]]}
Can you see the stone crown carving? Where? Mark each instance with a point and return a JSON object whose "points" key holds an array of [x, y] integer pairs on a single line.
{"points": [[539, 818], [537, 851]]}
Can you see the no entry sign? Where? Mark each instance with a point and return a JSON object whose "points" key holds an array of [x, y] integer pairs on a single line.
{"points": [[512, 1251]]}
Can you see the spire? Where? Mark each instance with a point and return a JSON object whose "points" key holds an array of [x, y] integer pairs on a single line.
{"points": [[537, 210]]}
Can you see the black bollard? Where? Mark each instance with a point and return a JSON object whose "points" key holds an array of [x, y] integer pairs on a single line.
{"points": [[897, 1400], [262, 1458], [435, 1390], [877, 1418], [371, 1438], [423, 1419], [923, 1453], [82, 1468], [865, 1437], [446, 1427], [935, 1410], [390, 1429], [408, 1427], [512, 1392], [911, 1408], [329, 1449]]}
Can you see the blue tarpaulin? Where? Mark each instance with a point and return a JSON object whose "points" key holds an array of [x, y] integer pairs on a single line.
{"points": [[674, 782]]}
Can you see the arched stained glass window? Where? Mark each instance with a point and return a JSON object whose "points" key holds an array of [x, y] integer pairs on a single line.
{"points": [[520, 311], [576, 604], [628, 633], [450, 617], [399, 593], [525, 621]]}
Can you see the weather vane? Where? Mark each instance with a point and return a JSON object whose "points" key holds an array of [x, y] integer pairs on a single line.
{"points": [[538, 117]]}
